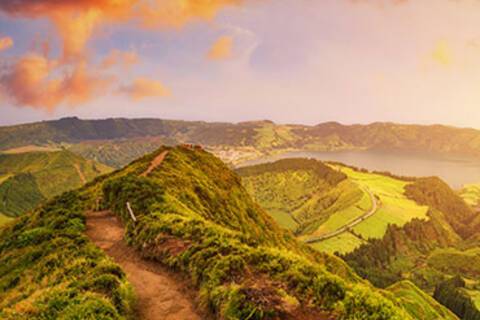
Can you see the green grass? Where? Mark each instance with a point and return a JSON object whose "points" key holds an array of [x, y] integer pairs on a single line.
{"points": [[50, 270], [243, 264], [418, 304], [270, 136], [343, 243], [298, 193], [4, 219], [29, 178], [453, 261], [394, 207], [475, 295], [341, 217]]}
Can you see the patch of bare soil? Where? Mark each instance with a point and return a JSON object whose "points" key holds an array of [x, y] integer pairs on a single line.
{"points": [[80, 173], [155, 163], [161, 296]]}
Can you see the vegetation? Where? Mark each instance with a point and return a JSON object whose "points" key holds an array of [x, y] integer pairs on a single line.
{"points": [[32, 177], [471, 194], [50, 270], [419, 304], [19, 193], [243, 264], [313, 199], [98, 138], [394, 207], [298, 192], [195, 217], [452, 294], [437, 194]]}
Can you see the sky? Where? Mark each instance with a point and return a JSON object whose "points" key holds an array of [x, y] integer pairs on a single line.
{"points": [[290, 61]]}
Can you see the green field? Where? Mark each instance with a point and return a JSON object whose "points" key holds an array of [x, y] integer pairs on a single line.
{"points": [[394, 206], [346, 215], [454, 261], [343, 243]]}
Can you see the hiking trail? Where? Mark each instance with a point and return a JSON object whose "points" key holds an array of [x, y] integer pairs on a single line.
{"points": [[155, 163], [160, 295]]}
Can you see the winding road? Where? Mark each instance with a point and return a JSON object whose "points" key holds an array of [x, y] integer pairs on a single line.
{"points": [[349, 225]]}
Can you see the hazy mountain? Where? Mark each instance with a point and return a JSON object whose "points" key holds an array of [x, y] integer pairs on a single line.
{"points": [[99, 139]]}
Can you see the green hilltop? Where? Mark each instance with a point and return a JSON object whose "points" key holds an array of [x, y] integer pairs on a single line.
{"points": [[242, 264]]}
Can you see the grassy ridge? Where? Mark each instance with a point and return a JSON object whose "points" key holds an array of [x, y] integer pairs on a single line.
{"points": [[243, 264]]}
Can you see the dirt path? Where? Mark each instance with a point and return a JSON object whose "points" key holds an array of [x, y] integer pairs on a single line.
{"points": [[155, 163], [350, 224], [80, 173], [160, 295]]}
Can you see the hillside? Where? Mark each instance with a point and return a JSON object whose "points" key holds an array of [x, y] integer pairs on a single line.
{"points": [[194, 216], [420, 305], [428, 252], [28, 178], [317, 201], [298, 192], [116, 142]]}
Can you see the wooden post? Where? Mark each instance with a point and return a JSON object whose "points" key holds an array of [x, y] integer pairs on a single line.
{"points": [[131, 212]]}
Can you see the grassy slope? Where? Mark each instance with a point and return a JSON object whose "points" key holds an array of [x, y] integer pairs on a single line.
{"points": [[395, 208], [19, 194], [301, 200], [258, 269], [419, 304], [343, 243], [50, 270], [48, 174], [299, 193]]}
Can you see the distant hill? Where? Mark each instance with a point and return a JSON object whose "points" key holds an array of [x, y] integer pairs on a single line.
{"points": [[117, 141], [194, 216], [28, 178]]}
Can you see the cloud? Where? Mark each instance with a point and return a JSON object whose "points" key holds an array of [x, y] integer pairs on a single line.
{"points": [[76, 20], [144, 88], [37, 82], [119, 58], [5, 43], [221, 49]]}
